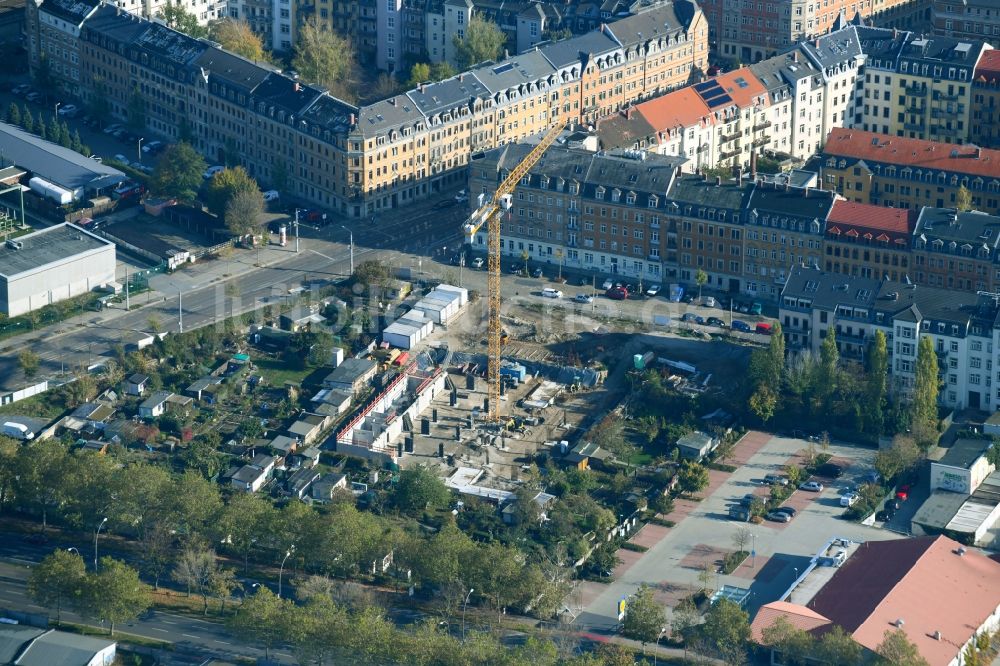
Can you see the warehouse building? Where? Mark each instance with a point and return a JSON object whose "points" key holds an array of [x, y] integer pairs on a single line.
{"points": [[52, 265], [58, 173]]}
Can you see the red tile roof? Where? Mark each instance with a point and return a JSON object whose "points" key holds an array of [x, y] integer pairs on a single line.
{"points": [[869, 221], [915, 153], [922, 581], [681, 108], [801, 617], [988, 68], [743, 95]]}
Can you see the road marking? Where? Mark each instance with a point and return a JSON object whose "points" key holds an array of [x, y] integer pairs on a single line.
{"points": [[284, 654], [158, 629], [168, 622], [223, 642], [19, 592], [189, 636]]}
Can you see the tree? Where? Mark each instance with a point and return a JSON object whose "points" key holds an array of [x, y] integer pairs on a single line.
{"points": [[243, 213], [135, 108], [896, 649], [794, 644], [726, 631], [763, 403], [373, 273], [261, 618], [700, 279], [644, 619], [483, 40], [741, 538], [419, 73], [178, 18], [875, 380], [898, 459], [829, 357], [685, 618], [221, 584], [838, 647], [325, 58], [692, 477], [202, 456], [195, 570], [225, 185], [14, 113], [114, 594], [442, 70], [29, 362], [963, 199], [239, 37], [41, 477], [926, 383], [418, 489], [27, 120], [57, 580], [179, 172], [993, 454]]}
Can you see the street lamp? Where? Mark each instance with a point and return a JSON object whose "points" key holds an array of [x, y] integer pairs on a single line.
{"points": [[281, 570], [97, 534], [465, 607], [352, 246], [73, 549], [58, 104], [141, 139]]}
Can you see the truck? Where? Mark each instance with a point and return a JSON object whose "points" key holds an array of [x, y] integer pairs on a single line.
{"points": [[17, 431], [140, 341], [676, 293]]}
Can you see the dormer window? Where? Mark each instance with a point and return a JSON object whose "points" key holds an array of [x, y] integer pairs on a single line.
{"points": [[599, 193], [616, 195]]}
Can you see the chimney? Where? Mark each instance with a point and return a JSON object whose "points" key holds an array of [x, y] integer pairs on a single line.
{"points": [[895, 33], [421, 87], [392, 100], [978, 152], [298, 87], [753, 163], [506, 54], [795, 56], [936, 635], [352, 120], [461, 76], [961, 551], [806, 192]]}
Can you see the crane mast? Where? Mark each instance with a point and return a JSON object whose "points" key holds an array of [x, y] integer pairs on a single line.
{"points": [[488, 214]]}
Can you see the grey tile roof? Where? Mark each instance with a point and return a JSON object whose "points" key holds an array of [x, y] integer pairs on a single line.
{"points": [[881, 43], [72, 11], [447, 94], [232, 69], [834, 48], [619, 131], [515, 71], [801, 203], [54, 163], [13, 638], [325, 111], [571, 51], [389, 114], [659, 21], [943, 50], [696, 191], [973, 228], [60, 647], [47, 246]]}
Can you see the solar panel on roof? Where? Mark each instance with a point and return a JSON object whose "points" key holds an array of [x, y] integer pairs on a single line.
{"points": [[705, 85], [718, 100]]}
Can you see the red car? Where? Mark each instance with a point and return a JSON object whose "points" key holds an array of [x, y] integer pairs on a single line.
{"points": [[617, 293], [903, 493]]}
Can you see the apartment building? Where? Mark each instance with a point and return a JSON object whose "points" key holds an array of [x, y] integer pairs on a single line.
{"points": [[985, 129], [274, 21], [783, 105], [966, 19], [596, 211], [747, 31], [868, 241], [908, 173], [358, 160], [956, 250], [53, 29], [356, 19], [962, 327]]}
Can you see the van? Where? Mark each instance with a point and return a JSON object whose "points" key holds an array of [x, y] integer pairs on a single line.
{"points": [[16, 430], [549, 292], [764, 329]]}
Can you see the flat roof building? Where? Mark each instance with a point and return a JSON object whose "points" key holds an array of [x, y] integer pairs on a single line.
{"points": [[51, 265]]}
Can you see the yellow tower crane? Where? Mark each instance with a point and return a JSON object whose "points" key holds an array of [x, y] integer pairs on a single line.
{"points": [[489, 214]]}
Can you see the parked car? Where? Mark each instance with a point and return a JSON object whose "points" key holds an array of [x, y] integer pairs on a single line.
{"points": [[537, 272], [848, 499], [477, 262], [787, 509], [871, 477], [128, 190], [830, 470], [779, 517], [271, 195], [549, 292], [688, 317], [583, 298], [812, 486], [903, 493], [21, 89], [698, 319], [68, 110], [756, 308], [120, 158], [114, 127], [617, 293], [750, 498], [771, 479], [740, 326], [708, 302], [653, 290], [607, 284], [462, 196], [211, 171], [33, 96], [884, 516], [715, 321], [764, 329], [444, 203]]}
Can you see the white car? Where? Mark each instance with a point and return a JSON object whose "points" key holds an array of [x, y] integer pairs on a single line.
{"points": [[583, 298], [152, 147], [549, 292], [69, 110], [211, 171], [33, 96], [120, 158], [848, 499], [607, 284], [477, 262], [462, 196], [111, 129], [271, 195], [813, 486], [653, 290]]}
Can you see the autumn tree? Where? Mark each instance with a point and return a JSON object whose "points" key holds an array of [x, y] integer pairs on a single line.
{"points": [[692, 477], [29, 363], [261, 619], [963, 199], [763, 403], [238, 37], [896, 649], [900, 457], [644, 619], [224, 185], [700, 279], [114, 594], [195, 570], [179, 172], [176, 16], [325, 58], [483, 40], [726, 631], [419, 73], [875, 383], [243, 213]]}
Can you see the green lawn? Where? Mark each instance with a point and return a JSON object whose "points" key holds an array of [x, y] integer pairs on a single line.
{"points": [[277, 372], [47, 405]]}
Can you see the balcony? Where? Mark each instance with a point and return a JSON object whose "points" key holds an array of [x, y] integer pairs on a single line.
{"points": [[762, 126], [917, 109], [916, 127], [654, 225], [726, 138], [915, 91], [945, 97], [762, 141], [726, 155]]}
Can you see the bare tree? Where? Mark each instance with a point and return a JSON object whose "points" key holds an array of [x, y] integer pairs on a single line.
{"points": [[196, 569], [742, 537]]}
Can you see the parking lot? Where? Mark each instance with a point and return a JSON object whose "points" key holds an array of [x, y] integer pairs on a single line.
{"points": [[703, 534]]}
